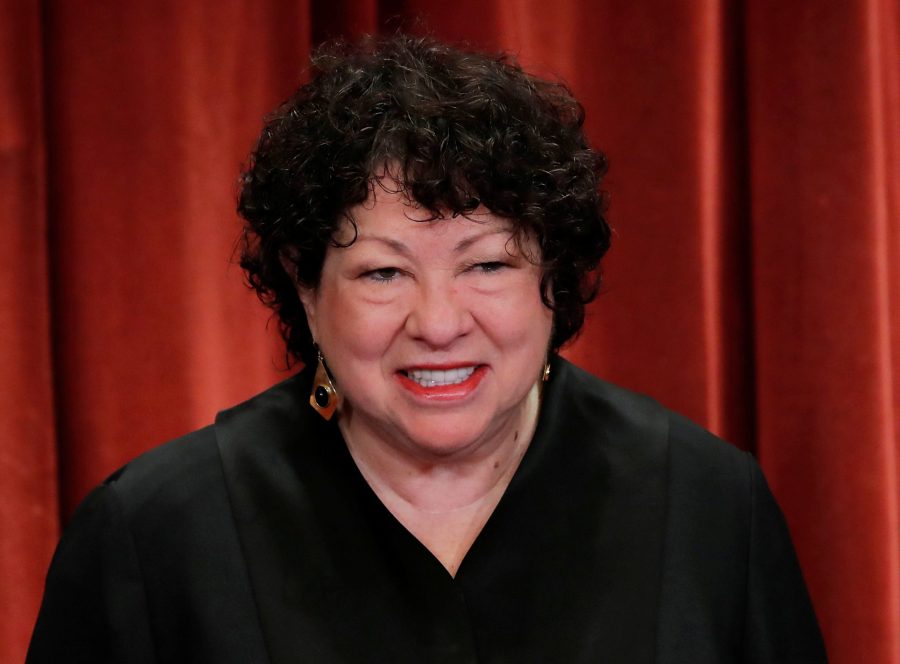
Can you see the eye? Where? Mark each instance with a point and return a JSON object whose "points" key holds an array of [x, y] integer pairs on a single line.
{"points": [[382, 275], [489, 266]]}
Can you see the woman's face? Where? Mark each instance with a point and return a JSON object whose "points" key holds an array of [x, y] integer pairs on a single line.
{"points": [[434, 331]]}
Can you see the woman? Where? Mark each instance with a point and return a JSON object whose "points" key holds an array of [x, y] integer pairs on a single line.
{"points": [[437, 485]]}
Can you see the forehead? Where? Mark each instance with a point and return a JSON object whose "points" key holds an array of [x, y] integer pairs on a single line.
{"points": [[387, 214]]}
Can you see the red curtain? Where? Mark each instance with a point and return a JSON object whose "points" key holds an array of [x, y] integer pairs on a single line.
{"points": [[753, 283]]}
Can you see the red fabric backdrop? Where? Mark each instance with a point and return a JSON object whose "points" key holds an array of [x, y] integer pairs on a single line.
{"points": [[753, 284]]}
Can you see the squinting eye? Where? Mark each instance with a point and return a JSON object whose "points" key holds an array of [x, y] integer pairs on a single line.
{"points": [[382, 275], [490, 266]]}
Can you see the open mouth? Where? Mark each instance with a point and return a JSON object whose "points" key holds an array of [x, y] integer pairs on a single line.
{"points": [[439, 377]]}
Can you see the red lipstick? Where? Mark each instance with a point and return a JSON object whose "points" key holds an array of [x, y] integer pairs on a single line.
{"points": [[443, 392]]}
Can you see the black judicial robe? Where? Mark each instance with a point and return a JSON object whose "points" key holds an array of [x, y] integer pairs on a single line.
{"points": [[628, 534]]}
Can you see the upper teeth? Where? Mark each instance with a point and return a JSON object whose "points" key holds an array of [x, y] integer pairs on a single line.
{"points": [[433, 378]]}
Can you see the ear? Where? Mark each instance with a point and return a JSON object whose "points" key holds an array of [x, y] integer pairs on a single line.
{"points": [[308, 298], [307, 295]]}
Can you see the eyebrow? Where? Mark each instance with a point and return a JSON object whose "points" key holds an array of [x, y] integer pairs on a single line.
{"points": [[465, 243], [396, 245], [401, 248]]}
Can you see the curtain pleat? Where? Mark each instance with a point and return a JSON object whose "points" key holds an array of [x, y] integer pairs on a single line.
{"points": [[29, 517], [661, 89], [753, 282], [154, 108], [823, 312]]}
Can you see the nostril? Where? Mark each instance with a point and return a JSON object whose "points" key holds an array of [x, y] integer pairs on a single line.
{"points": [[438, 317]]}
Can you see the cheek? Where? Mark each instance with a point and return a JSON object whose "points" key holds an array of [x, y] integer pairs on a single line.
{"points": [[535, 326], [518, 317], [350, 327]]}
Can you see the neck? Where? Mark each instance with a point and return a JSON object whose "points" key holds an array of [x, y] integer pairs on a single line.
{"points": [[411, 478]]}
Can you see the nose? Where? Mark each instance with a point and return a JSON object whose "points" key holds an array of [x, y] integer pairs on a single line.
{"points": [[440, 315]]}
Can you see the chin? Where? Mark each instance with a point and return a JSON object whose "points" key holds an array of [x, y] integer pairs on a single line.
{"points": [[445, 436]]}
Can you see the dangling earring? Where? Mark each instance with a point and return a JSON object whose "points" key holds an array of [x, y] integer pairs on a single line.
{"points": [[546, 375], [324, 397]]}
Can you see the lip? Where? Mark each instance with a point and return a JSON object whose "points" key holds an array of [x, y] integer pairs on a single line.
{"points": [[440, 367], [442, 393]]}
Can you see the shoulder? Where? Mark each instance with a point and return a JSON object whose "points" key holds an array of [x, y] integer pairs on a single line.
{"points": [[629, 439], [705, 485], [640, 420], [189, 469], [729, 572], [153, 549], [169, 472]]}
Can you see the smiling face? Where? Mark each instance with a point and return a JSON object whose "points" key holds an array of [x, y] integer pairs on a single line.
{"points": [[434, 331]]}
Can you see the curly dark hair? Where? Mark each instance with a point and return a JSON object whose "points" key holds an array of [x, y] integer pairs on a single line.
{"points": [[461, 129]]}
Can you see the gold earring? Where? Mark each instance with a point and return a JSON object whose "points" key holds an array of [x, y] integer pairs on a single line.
{"points": [[546, 375], [324, 397]]}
